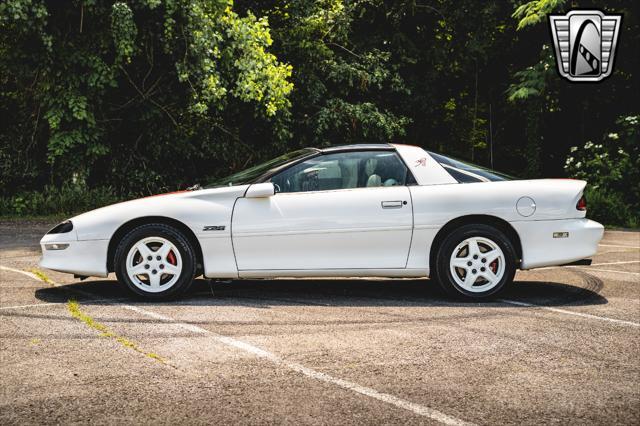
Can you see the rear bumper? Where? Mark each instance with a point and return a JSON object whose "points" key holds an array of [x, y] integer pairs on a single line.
{"points": [[80, 257], [540, 247]]}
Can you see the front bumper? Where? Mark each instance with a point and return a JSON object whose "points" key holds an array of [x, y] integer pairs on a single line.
{"points": [[79, 257], [540, 248]]}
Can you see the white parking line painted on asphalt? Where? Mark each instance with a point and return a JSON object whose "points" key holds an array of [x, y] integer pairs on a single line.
{"points": [[19, 271], [55, 284], [563, 311], [261, 353], [32, 305], [611, 270], [37, 305], [589, 267], [317, 375], [615, 263]]}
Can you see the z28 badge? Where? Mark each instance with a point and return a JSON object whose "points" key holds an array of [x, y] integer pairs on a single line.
{"points": [[214, 228]]}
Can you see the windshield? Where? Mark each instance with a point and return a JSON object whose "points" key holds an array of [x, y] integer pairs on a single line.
{"points": [[250, 175], [466, 172]]}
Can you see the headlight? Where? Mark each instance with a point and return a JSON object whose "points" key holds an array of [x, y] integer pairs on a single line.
{"points": [[61, 228]]}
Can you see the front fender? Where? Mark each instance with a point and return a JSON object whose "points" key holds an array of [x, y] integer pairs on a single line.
{"points": [[207, 213]]}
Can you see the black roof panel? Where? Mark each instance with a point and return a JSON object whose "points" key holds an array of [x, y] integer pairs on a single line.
{"points": [[358, 147]]}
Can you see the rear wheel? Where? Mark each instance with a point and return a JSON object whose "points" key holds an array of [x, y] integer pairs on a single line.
{"points": [[155, 261], [475, 262]]}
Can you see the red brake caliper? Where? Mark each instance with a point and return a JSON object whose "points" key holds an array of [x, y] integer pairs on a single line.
{"points": [[172, 258], [494, 266]]}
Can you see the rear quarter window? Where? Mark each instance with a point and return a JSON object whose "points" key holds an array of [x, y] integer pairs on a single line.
{"points": [[465, 172]]}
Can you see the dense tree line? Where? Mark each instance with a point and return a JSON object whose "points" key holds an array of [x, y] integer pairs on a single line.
{"points": [[147, 95]]}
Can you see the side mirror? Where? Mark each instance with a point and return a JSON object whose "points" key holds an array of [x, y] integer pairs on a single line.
{"points": [[261, 190]]}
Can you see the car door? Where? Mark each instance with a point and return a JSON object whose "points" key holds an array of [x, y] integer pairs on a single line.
{"points": [[345, 210]]}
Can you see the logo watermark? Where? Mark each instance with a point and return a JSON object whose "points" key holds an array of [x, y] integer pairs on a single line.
{"points": [[585, 44]]}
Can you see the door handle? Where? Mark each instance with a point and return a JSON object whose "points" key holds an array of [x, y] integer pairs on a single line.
{"points": [[393, 204]]}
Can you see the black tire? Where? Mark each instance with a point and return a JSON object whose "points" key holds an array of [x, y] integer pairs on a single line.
{"points": [[185, 248], [442, 264]]}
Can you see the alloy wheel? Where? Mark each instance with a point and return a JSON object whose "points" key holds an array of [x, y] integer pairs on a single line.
{"points": [[477, 264], [154, 264]]}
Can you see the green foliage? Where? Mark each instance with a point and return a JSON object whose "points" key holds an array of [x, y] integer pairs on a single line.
{"points": [[555, 109], [124, 31], [612, 169], [361, 121], [535, 11], [340, 81], [531, 82], [95, 77], [66, 200], [222, 41], [147, 96], [610, 208]]}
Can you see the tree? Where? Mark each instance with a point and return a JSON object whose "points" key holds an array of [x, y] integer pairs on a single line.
{"points": [[148, 95], [561, 114], [100, 80]]}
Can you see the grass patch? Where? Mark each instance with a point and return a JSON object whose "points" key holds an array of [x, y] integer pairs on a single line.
{"points": [[42, 276], [75, 311]]}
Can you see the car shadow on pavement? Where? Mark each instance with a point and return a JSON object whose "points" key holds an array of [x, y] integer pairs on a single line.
{"points": [[333, 292]]}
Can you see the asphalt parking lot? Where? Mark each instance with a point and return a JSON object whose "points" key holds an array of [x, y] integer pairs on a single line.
{"points": [[562, 346]]}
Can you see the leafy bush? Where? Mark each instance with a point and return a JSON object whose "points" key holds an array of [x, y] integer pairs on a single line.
{"points": [[65, 200], [612, 169], [610, 209]]}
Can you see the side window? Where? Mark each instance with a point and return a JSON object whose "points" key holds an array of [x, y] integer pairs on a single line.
{"points": [[462, 177], [343, 170]]}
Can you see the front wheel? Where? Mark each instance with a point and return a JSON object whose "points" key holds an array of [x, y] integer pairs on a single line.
{"points": [[475, 262], [155, 261]]}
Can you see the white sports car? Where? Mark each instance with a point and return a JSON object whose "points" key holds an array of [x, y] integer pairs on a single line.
{"points": [[347, 211]]}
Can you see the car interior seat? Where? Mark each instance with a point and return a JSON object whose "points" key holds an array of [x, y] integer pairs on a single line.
{"points": [[369, 169]]}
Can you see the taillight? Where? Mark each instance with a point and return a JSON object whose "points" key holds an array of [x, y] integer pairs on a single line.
{"points": [[582, 204]]}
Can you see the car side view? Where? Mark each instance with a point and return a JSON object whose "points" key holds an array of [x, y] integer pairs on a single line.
{"points": [[347, 211]]}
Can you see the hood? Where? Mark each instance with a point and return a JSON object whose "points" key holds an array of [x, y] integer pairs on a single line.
{"points": [[166, 200], [189, 207]]}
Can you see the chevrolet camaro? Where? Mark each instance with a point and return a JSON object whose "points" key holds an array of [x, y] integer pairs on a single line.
{"points": [[346, 211]]}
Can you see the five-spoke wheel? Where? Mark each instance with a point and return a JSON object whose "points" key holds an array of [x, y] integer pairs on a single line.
{"points": [[155, 261], [154, 264], [475, 262]]}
